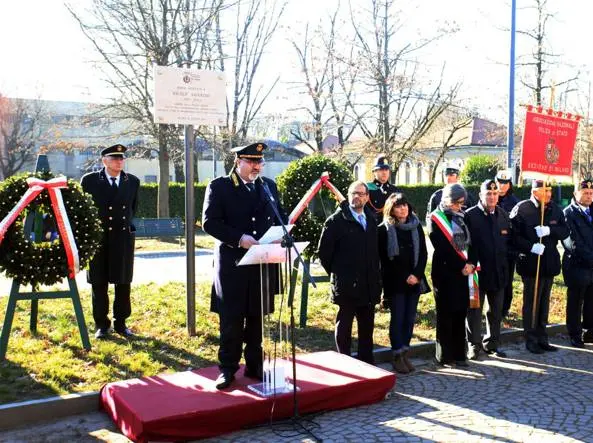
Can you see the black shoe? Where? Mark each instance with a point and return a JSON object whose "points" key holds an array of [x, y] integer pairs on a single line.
{"points": [[495, 352], [126, 332], [462, 363], [534, 348], [588, 336], [548, 347], [577, 342], [102, 333], [254, 373], [224, 380]]}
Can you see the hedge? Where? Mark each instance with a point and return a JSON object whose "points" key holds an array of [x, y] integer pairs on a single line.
{"points": [[417, 194]]}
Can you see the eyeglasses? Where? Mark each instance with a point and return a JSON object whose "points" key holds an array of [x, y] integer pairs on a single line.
{"points": [[359, 194]]}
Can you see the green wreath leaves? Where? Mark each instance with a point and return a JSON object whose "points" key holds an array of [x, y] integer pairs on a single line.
{"points": [[45, 262], [296, 180]]}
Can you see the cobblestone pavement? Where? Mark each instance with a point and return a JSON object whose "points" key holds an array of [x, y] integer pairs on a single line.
{"points": [[524, 397]]}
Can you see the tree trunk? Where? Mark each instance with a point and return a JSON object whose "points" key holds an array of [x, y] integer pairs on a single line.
{"points": [[163, 192]]}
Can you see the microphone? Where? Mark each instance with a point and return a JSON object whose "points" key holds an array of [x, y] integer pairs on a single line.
{"points": [[266, 189]]}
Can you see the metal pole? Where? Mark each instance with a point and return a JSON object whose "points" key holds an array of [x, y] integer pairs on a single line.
{"points": [[511, 128], [190, 229]]}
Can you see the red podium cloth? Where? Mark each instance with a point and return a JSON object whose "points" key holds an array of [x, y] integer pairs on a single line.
{"points": [[186, 405]]}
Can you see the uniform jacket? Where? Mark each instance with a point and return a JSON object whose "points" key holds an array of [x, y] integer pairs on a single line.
{"points": [[525, 217], [490, 234], [508, 201], [577, 263], [350, 256], [451, 286], [114, 261], [395, 272], [378, 196], [231, 210]]}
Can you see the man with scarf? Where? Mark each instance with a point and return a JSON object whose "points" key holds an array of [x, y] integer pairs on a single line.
{"points": [[348, 253], [577, 266], [507, 201], [380, 188], [490, 230], [453, 265], [532, 239]]}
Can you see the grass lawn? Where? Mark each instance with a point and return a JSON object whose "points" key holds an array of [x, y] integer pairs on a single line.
{"points": [[202, 241], [53, 362]]}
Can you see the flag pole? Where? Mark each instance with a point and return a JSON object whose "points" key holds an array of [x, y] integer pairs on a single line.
{"points": [[542, 205]]}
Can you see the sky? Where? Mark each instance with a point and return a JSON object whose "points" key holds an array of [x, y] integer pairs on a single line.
{"points": [[44, 54]]}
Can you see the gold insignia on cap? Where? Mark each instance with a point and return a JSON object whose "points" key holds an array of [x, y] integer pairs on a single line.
{"points": [[589, 184], [493, 186], [260, 147], [503, 176], [119, 149]]}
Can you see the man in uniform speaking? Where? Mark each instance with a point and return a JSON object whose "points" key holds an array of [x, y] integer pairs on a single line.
{"points": [[237, 212]]}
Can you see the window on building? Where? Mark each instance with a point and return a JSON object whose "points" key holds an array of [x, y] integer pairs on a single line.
{"points": [[408, 168], [419, 173], [150, 179]]}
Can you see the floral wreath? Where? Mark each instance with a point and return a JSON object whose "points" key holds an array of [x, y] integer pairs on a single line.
{"points": [[293, 184], [42, 257]]}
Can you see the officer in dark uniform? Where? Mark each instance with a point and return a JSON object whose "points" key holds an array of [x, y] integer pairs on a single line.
{"points": [[533, 238], [237, 212], [507, 201], [577, 266], [380, 188], [490, 231], [115, 194], [451, 177]]}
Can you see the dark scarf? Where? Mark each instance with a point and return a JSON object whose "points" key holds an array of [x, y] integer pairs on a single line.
{"points": [[461, 237], [392, 243]]}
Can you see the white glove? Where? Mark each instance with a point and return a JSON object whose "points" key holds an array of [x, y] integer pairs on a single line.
{"points": [[542, 231], [538, 248]]}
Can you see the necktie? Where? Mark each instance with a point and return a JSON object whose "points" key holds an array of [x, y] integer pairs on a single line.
{"points": [[113, 184], [250, 186], [588, 214], [362, 221]]}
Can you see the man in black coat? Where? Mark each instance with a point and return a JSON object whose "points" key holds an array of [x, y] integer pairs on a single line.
{"points": [[577, 266], [532, 238], [115, 194], [507, 201], [380, 188], [490, 231], [348, 251], [237, 212]]}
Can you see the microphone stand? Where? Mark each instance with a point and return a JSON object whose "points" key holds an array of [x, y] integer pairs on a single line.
{"points": [[288, 242]]}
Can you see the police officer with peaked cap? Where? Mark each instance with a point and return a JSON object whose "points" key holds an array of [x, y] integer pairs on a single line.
{"points": [[237, 212], [507, 201], [115, 193], [380, 188], [451, 177], [577, 266], [533, 239]]}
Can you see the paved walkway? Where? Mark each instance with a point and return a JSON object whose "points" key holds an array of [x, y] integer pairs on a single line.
{"points": [[522, 398]]}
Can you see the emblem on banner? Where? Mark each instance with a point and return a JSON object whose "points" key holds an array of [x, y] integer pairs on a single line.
{"points": [[552, 152]]}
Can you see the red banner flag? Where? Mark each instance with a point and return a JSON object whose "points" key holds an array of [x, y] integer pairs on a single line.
{"points": [[548, 144]]}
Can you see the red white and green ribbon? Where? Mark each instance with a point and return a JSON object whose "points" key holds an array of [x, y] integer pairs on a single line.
{"points": [[441, 220], [313, 190], [53, 186]]}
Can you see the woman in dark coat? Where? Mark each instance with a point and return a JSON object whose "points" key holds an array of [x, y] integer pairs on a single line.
{"points": [[402, 250], [452, 267]]}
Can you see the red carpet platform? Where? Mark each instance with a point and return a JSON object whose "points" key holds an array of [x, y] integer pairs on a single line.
{"points": [[186, 405]]}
